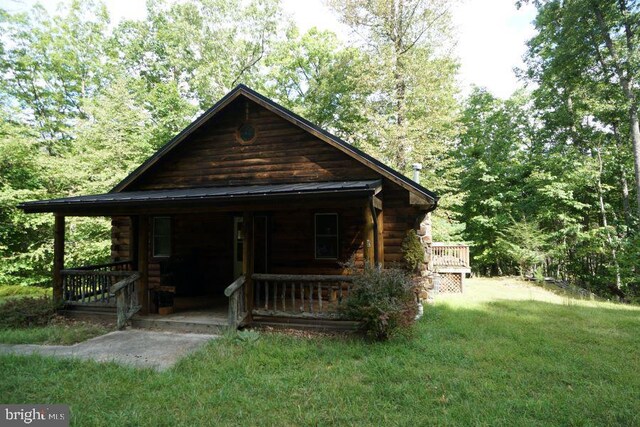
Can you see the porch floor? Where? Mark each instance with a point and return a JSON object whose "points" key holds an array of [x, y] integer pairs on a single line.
{"points": [[213, 316], [198, 314]]}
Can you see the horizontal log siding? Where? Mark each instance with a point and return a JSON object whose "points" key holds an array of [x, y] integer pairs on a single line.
{"points": [[120, 238], [292, 249], [399, 217], [281, 153]]}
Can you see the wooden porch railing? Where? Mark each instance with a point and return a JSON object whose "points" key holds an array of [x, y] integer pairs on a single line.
{"points": [[237, 309], [91, 284], [126, 298], [311, 296], [445, 255]]}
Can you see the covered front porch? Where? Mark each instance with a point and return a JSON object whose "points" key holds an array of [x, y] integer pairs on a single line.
{"points": [[227, 262]]}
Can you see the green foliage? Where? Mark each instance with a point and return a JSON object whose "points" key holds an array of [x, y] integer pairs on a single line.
{"points": [[246, 337], [320, 79], [83, 102], [412, 111], [524, 244], [412, 251], [26, 312], [384, 300]]}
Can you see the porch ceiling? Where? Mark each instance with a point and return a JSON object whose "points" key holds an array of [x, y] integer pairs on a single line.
{"points": [[108, 203]]}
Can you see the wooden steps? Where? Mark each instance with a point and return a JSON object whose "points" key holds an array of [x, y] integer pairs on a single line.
{"points": [[163, 323]]}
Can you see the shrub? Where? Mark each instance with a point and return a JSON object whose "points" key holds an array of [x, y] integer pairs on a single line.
{"points": [[26, 312], [384, 300], [412, 251]]}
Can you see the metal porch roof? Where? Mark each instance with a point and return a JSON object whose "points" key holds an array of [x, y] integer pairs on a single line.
{"points": [[203, 194]]}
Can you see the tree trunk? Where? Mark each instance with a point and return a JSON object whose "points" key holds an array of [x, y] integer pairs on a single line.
{"points": [[635, 137], [625, 77], [626, 206], [605, 224]]}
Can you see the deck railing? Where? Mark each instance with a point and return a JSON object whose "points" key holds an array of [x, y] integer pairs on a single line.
{"points": [[126, 298], [237, 309], [446, 255], [311, 296], [91, 284]]}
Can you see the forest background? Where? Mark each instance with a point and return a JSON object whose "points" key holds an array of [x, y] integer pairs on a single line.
{"points": [[544, 183]]}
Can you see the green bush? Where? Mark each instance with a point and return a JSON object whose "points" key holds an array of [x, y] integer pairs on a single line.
{"points": [[26, 312], [384, 300], [412, 251]]}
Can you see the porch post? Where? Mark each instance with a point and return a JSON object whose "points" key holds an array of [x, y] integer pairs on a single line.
{"points": [[247, 260], [368, 236], [380, 239], [143, 263], [58, 257]]}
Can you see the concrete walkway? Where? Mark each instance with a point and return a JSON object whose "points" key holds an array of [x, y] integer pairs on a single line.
{"points": [[133, 347]]}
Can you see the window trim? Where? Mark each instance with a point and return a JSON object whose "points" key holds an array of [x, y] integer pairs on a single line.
{"points": [[153, 237], [238, 133], [315, 236]]}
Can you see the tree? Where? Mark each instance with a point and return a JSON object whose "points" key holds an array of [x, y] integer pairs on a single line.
{"points": [[226, 45], [25, 240], [593, 45], [317, 77], [408, 40], [50, 64], [490, 152], [523, 243]]}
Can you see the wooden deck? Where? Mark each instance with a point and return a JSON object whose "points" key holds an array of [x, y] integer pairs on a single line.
{"points": [[451, 263]]}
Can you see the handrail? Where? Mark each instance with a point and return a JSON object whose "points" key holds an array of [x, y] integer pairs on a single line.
{"points": [[97, 266], [449, 255], [237, 309], [124, 282], [95, 273], [237, 284], [126, 298], [303, 277]]}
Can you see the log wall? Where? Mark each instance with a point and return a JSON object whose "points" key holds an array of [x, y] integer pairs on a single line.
{"points": [[120, 238], [280, 153]]}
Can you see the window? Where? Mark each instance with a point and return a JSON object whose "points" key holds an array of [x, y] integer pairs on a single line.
{"points": [[161, 236], [246, 133], [326, 233]]}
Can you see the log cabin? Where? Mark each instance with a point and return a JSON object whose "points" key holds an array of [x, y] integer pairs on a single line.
{"points": [[246, 216]]}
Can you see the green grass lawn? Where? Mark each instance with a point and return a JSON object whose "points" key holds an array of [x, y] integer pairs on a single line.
{"points": [[505, 353], [16, 291], [62, 333]]}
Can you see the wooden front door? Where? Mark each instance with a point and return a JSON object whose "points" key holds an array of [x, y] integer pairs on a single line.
{"points": [[237, 247], [260, 245]]}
